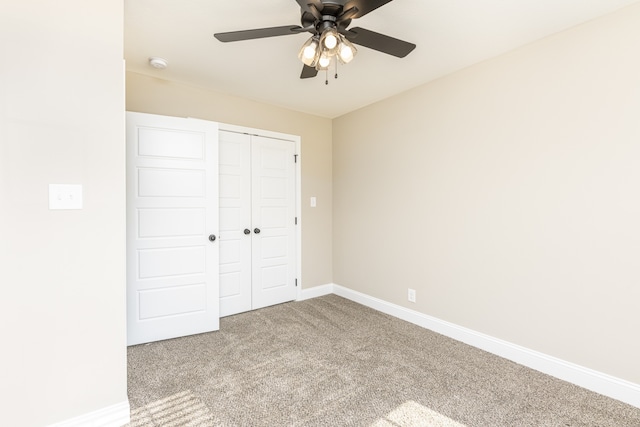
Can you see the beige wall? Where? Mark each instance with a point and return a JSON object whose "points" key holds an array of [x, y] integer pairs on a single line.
{"points": [[151, 95], [508, 196], [505, 194], [62, 311]]}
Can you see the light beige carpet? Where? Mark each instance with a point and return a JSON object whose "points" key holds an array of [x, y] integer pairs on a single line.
{"points": [[331, 362]]}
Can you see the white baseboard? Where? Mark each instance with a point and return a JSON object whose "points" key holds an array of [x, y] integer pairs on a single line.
{"points": [[316, 291], [112, 416], [598, 382]]}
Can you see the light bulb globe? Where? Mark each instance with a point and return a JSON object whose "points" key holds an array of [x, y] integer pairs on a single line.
{"points": [[330, 41], [309, 52], [324, 61], [346, 50], [346, 54]]}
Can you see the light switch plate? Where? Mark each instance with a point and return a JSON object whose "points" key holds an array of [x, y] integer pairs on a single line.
{"points": [[313, 202], [65, 196]]}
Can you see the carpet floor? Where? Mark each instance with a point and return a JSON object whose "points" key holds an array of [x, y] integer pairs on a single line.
{"points": [[331, 362]]}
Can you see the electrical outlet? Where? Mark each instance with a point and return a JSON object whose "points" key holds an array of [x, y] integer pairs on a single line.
{"points": [[411, 295]]}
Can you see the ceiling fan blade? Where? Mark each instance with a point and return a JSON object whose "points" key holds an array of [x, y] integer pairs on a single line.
{"points": [[308, 72], [364, 6], [260, 33], [379, 42]]}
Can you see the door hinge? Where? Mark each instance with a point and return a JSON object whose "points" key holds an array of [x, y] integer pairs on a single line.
{"points": [[296, 283], [295, 158], [296, 222]]}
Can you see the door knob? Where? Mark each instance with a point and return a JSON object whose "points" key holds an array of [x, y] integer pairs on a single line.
{"points": [[212, 237], [247, 231], [256, 230]]}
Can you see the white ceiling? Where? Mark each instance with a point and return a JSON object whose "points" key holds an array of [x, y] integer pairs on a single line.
{"points": [[450, 35]]}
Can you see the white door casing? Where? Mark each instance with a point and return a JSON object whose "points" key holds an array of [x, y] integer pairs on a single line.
{"points": [[172, 209]]}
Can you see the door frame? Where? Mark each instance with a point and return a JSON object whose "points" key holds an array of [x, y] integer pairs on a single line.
{"points": [[298, 168]]}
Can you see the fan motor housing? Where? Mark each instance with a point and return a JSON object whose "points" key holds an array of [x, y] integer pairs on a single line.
{"points": [[324, 24], [330, 11]]}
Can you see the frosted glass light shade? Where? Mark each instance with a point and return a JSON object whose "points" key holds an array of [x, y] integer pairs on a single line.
{"points": [[324, 61], [330, 40], [346, 50], [310, 52]]}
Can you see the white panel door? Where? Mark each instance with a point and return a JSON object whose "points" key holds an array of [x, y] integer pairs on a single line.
{"points": [[172, 216], [235, 222], [257, 222], [273, 219]]}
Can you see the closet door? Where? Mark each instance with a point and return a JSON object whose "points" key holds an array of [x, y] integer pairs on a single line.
{"points": [[257, 222], [273, 218], [235, 222]]}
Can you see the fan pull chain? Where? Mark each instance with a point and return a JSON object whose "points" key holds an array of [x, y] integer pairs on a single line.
{"points": [[326, 78], [336, 76]]}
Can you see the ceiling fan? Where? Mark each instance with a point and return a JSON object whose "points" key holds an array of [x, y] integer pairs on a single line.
{"points": [[331, 41]]}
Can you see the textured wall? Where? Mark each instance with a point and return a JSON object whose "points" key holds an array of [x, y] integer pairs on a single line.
{"points": [[507, 195], [62, 311]]}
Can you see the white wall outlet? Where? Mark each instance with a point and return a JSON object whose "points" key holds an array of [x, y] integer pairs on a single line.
{"points": [[411, 295], [63, 196]]}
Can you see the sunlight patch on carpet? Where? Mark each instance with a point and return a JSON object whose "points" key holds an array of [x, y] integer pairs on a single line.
{"points": [[413, 414], [180, 409]]}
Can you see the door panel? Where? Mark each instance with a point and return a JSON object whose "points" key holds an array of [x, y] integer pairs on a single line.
{"points": [[273, 201], [235, 217], [171, 183], [172, 208], [154, 142], [167, 262], [171, 222], [171, 301]]}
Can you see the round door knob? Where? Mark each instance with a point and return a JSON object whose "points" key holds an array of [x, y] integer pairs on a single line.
{"points": [[256, 230], [247, 231], [212, 237]]}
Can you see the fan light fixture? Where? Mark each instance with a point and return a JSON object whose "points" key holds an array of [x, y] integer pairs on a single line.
{"points": [[328, 22], [320, 51]]}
